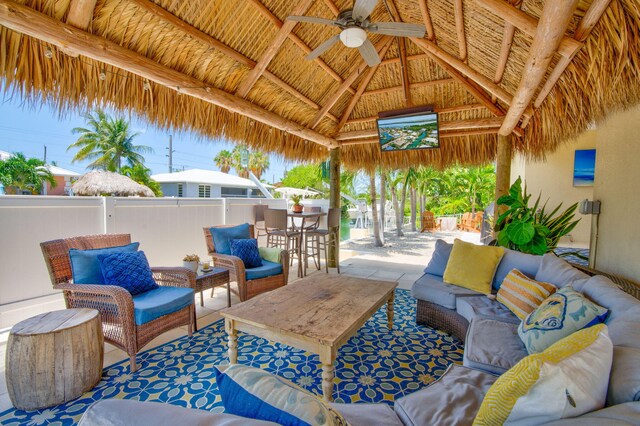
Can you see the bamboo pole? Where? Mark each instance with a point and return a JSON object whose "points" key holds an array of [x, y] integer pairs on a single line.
{"points": [[30, 22], [417, 85], [550, 31], [462, 41], [80, 13], [404, 71], [503, 169], [334, 200]]}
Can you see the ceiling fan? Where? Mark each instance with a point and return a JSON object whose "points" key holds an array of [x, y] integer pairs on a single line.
{"points": [[354, 24]]}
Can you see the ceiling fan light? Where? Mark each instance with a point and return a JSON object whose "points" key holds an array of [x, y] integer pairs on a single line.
{"points": [[353, 37]]}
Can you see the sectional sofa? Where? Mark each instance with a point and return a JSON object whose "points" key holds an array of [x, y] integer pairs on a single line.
{"points": [[492, 346]]}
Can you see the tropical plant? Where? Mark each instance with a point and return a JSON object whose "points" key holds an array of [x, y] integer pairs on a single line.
{"points": [[142, 175], [304, 176], [224, 161], [258, 163], [25, 174], [107, 141], [533, 230], [296, 198]]}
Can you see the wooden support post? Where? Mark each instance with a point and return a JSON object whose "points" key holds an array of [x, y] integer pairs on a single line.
{"points": [[503, 169], [334, 199]]}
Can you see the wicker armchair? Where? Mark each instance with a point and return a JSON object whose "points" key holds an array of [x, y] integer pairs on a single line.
{"points": [[247, 288], [114, 303]]}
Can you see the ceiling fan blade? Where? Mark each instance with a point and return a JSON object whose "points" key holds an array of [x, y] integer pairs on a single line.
{"points": [[312, 20], [397, 29], [369, 53], [362, 9], [323, 47]]}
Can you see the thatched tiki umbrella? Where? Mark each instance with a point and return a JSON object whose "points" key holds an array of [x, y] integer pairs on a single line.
{"points": [[107, 183]]}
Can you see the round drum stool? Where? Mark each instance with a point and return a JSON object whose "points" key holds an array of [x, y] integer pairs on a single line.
{"points": [[53, 358]]}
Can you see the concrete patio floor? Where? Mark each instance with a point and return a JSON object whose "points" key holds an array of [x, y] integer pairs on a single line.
{"points": [[401, 260]]}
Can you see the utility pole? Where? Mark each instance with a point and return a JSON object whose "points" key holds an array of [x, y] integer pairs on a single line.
{"points": [[45, 154], [170, 155]]}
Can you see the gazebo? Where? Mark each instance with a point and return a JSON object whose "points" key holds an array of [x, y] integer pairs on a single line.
{"points": [[504, 76]]}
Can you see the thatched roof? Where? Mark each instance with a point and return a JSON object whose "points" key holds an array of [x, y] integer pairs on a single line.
{"points": [[99, 182], [215, 45]]}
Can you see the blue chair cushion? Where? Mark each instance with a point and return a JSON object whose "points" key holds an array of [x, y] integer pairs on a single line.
{"points": [[85, 267], [267, 269], [130, 271], [247, 251], [222, 236], [163, 300]]}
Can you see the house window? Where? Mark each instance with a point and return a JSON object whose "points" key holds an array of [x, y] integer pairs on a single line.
{"points": [[180, 190], [233, 192], [204, 191]]}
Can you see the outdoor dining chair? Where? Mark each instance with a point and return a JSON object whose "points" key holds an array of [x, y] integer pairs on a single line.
{"points": [[126, 324], [279, 234], [321, 239]]}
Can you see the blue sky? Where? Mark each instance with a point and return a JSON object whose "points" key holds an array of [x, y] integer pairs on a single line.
{"points": [[23, 129]]}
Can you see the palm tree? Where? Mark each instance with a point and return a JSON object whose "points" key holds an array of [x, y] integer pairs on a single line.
{"points": [[25, 174], [107, 141], [224, 161], [377, 241], [142, 175], [258, 163]]}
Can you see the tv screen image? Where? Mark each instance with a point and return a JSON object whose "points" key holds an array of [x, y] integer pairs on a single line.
{"points": [[418, 131]]}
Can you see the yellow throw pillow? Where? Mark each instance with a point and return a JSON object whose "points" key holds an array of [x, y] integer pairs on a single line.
{"points": [[521, 294], [568, 379], [472, 266]]}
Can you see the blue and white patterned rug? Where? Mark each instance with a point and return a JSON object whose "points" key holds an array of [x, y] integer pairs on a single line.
{"points": [[376, 365]]}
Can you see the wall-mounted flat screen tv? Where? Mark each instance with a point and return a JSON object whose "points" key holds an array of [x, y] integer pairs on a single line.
{"points": [[415, 131]]}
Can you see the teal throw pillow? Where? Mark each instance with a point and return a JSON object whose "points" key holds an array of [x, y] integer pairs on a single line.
{"points": [[256, 394], [247, 251], [130, 271], [222, 236], [85, 267], [558, 316]]}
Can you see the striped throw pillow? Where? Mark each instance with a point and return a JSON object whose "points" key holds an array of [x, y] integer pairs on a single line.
{"points": [[522, 294]]}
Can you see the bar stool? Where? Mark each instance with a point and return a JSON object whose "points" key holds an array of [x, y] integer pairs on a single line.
{"points": [[279, 235], [258, 220], [319, 239]]}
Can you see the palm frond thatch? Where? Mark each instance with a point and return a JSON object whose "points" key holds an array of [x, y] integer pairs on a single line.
{"points": [[100, 182]]}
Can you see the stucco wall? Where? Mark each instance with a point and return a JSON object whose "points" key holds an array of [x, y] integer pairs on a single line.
{"points": [[553, 178], [617, 177]]}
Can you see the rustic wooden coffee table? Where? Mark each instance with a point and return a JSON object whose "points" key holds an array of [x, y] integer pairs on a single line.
{"points": [[316, 314]]}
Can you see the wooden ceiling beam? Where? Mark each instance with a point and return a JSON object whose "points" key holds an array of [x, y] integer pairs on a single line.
{"points": [[527, 24], [590, 19], [362, 65], [475, 123], [550, 32], [453, 63], [32, 23], [298, 41], [332, 7], [417, 85], [462, 41], [208, 40], [445, 110], [404, 72], [426, 18], [409, 58], [80, 13], [270, 52], [361, 88]]}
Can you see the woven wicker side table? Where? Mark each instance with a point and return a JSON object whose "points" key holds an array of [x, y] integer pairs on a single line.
{"points": [[53, 358], [210, 279]]}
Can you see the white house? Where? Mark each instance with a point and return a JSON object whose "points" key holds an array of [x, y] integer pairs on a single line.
{"points": [[198, 183]]}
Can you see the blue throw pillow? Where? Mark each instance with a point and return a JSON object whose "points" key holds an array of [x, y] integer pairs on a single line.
{"points": [[85, 267], [130, 271], [440, 258], [256, 394], [222, 236], [247, 251]]}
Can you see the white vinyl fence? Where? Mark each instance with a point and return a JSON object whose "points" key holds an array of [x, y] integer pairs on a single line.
{"points": [[167, 229]]}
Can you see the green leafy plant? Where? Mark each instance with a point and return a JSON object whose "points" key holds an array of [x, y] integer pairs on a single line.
{"points": [[296, 199], [533, 229]]}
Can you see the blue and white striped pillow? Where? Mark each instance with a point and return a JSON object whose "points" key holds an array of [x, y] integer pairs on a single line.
{"points": [[257, 394]]}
